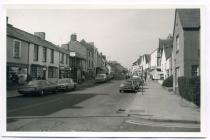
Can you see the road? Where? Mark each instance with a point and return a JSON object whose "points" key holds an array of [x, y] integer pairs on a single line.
{"points": [[100, 108]]}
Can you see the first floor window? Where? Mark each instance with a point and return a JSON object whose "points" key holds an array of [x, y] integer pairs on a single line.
{"points": [[44, 54], [36, 52], [17, 49], [195, 70], [52, 56]]}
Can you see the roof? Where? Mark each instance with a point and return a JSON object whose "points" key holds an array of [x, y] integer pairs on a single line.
{"points": [[139, 60], [165, 43], [168, 52], [134, 63], [190, 18], [28, 37]]}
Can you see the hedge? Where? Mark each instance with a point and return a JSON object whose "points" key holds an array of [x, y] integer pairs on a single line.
{"points": [[168, 82], [189, 88]]}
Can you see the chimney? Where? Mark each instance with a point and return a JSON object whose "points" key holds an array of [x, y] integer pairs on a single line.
{"points": [[40, 35], [74, 37]]}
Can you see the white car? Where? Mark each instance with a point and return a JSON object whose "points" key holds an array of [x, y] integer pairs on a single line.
{"points": [[101, 78], [66, 84]]}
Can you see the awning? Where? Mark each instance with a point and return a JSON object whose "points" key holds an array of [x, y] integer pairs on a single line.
{"points": [[10, 64]]}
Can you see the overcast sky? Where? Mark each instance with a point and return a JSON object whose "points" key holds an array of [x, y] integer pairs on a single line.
{"points": [[122, 35]]}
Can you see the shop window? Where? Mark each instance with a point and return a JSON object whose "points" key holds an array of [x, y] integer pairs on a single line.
{"points": [[17, 49], [52, 72], [33, 72]]}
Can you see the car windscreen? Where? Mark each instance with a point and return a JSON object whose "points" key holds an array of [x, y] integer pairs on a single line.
{"points": [[62, 81], [127, 83], [35, 83], [101, 76]]}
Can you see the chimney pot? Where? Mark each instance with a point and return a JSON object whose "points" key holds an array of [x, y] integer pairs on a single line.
{"points": [[40, 35], [74, 37]]}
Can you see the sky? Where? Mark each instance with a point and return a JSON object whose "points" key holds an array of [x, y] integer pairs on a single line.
{"points": [[120, 34]]}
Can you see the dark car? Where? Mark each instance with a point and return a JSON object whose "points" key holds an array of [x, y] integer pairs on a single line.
{"points": [[38, 87], [66, 84], [128, 85]]}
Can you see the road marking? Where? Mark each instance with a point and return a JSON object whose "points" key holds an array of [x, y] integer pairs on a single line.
{"points": [[54, 117], [160, 125]]}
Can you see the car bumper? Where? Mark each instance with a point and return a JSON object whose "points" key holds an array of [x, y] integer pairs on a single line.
{"points": [[27, 92]]}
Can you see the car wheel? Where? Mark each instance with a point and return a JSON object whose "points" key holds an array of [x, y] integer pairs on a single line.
{"points": [[41, 93], [67, 88], [120, 91], [74, 87]]}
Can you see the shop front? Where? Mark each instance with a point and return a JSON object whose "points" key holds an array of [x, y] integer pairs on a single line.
{"points": [[38, 72], [64, 72], [16, 74]]}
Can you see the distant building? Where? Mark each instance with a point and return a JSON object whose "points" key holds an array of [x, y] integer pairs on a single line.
{"points": [[78, 60], [163, 43], [186, 44], [166, 61], [90, 58]]}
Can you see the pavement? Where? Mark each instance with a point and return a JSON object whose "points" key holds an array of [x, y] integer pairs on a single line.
{"points": [[162, 105]]}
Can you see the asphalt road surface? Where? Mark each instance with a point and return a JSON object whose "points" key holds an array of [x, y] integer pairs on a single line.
{"points": [[100, 108]]}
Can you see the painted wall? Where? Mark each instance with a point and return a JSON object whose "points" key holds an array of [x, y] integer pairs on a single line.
{"points": [[40, 60], [191, 50], [178, 56], [24, 59]]}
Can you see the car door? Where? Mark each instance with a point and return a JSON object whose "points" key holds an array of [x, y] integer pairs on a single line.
{"points": [[71, 83], [49, 86]]}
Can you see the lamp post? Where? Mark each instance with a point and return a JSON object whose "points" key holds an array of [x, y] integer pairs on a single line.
{"points": [[73, 54]]}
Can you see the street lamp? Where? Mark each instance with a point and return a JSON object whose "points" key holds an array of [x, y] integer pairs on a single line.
{"points": [[73, 54]]}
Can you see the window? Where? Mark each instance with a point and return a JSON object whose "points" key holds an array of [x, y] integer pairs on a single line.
{"points": [[67, 59], [17, 49], [33, 72], [177, 43], [52, 72], [195, 70], [61, 58], [44, 54], [177, 75], [52, 56], [36, 52]]}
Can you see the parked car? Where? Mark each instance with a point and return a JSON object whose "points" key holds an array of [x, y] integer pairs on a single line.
{"points": [[128, 85], [138, 80], [66, 84], [38, 87], [101, 78]]}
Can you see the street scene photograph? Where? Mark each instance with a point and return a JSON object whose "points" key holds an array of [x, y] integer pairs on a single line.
{"points": [[103, 70]]}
